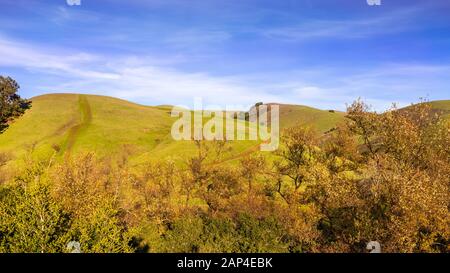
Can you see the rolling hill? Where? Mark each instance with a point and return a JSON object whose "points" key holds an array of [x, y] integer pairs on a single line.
{"points": [[70, 123], [291, 115]]}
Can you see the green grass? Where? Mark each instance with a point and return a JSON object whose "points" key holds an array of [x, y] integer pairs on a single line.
{"points": [[45, 124], [441, 104], [71, 123], [292, 115]]}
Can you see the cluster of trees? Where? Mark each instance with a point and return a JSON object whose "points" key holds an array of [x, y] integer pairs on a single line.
{"points": [[375, 177]]}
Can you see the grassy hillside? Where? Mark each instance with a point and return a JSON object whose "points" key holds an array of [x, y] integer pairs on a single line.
{"points": [[70, 123], [291, 115], [441, 104]]}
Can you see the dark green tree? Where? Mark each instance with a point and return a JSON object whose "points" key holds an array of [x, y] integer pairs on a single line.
{"points": [[11, 104]]}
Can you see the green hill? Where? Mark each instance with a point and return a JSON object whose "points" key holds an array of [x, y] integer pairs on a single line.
{"points": [[70, 123], [291, 115]]}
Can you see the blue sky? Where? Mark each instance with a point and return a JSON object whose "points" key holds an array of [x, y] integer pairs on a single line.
{"points": [[322, 53]]}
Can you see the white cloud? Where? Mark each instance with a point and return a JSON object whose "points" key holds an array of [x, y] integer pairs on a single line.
{"points": [[17, 54], [126, 77], [344, 29], [146, 79]]}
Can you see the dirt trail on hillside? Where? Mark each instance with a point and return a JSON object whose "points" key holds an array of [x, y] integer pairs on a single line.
{"points": [[85, 121]]}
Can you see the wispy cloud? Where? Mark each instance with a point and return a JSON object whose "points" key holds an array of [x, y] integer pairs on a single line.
{"points": [[17, 54], [344, 29], [145, 79], [126, 77]]}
